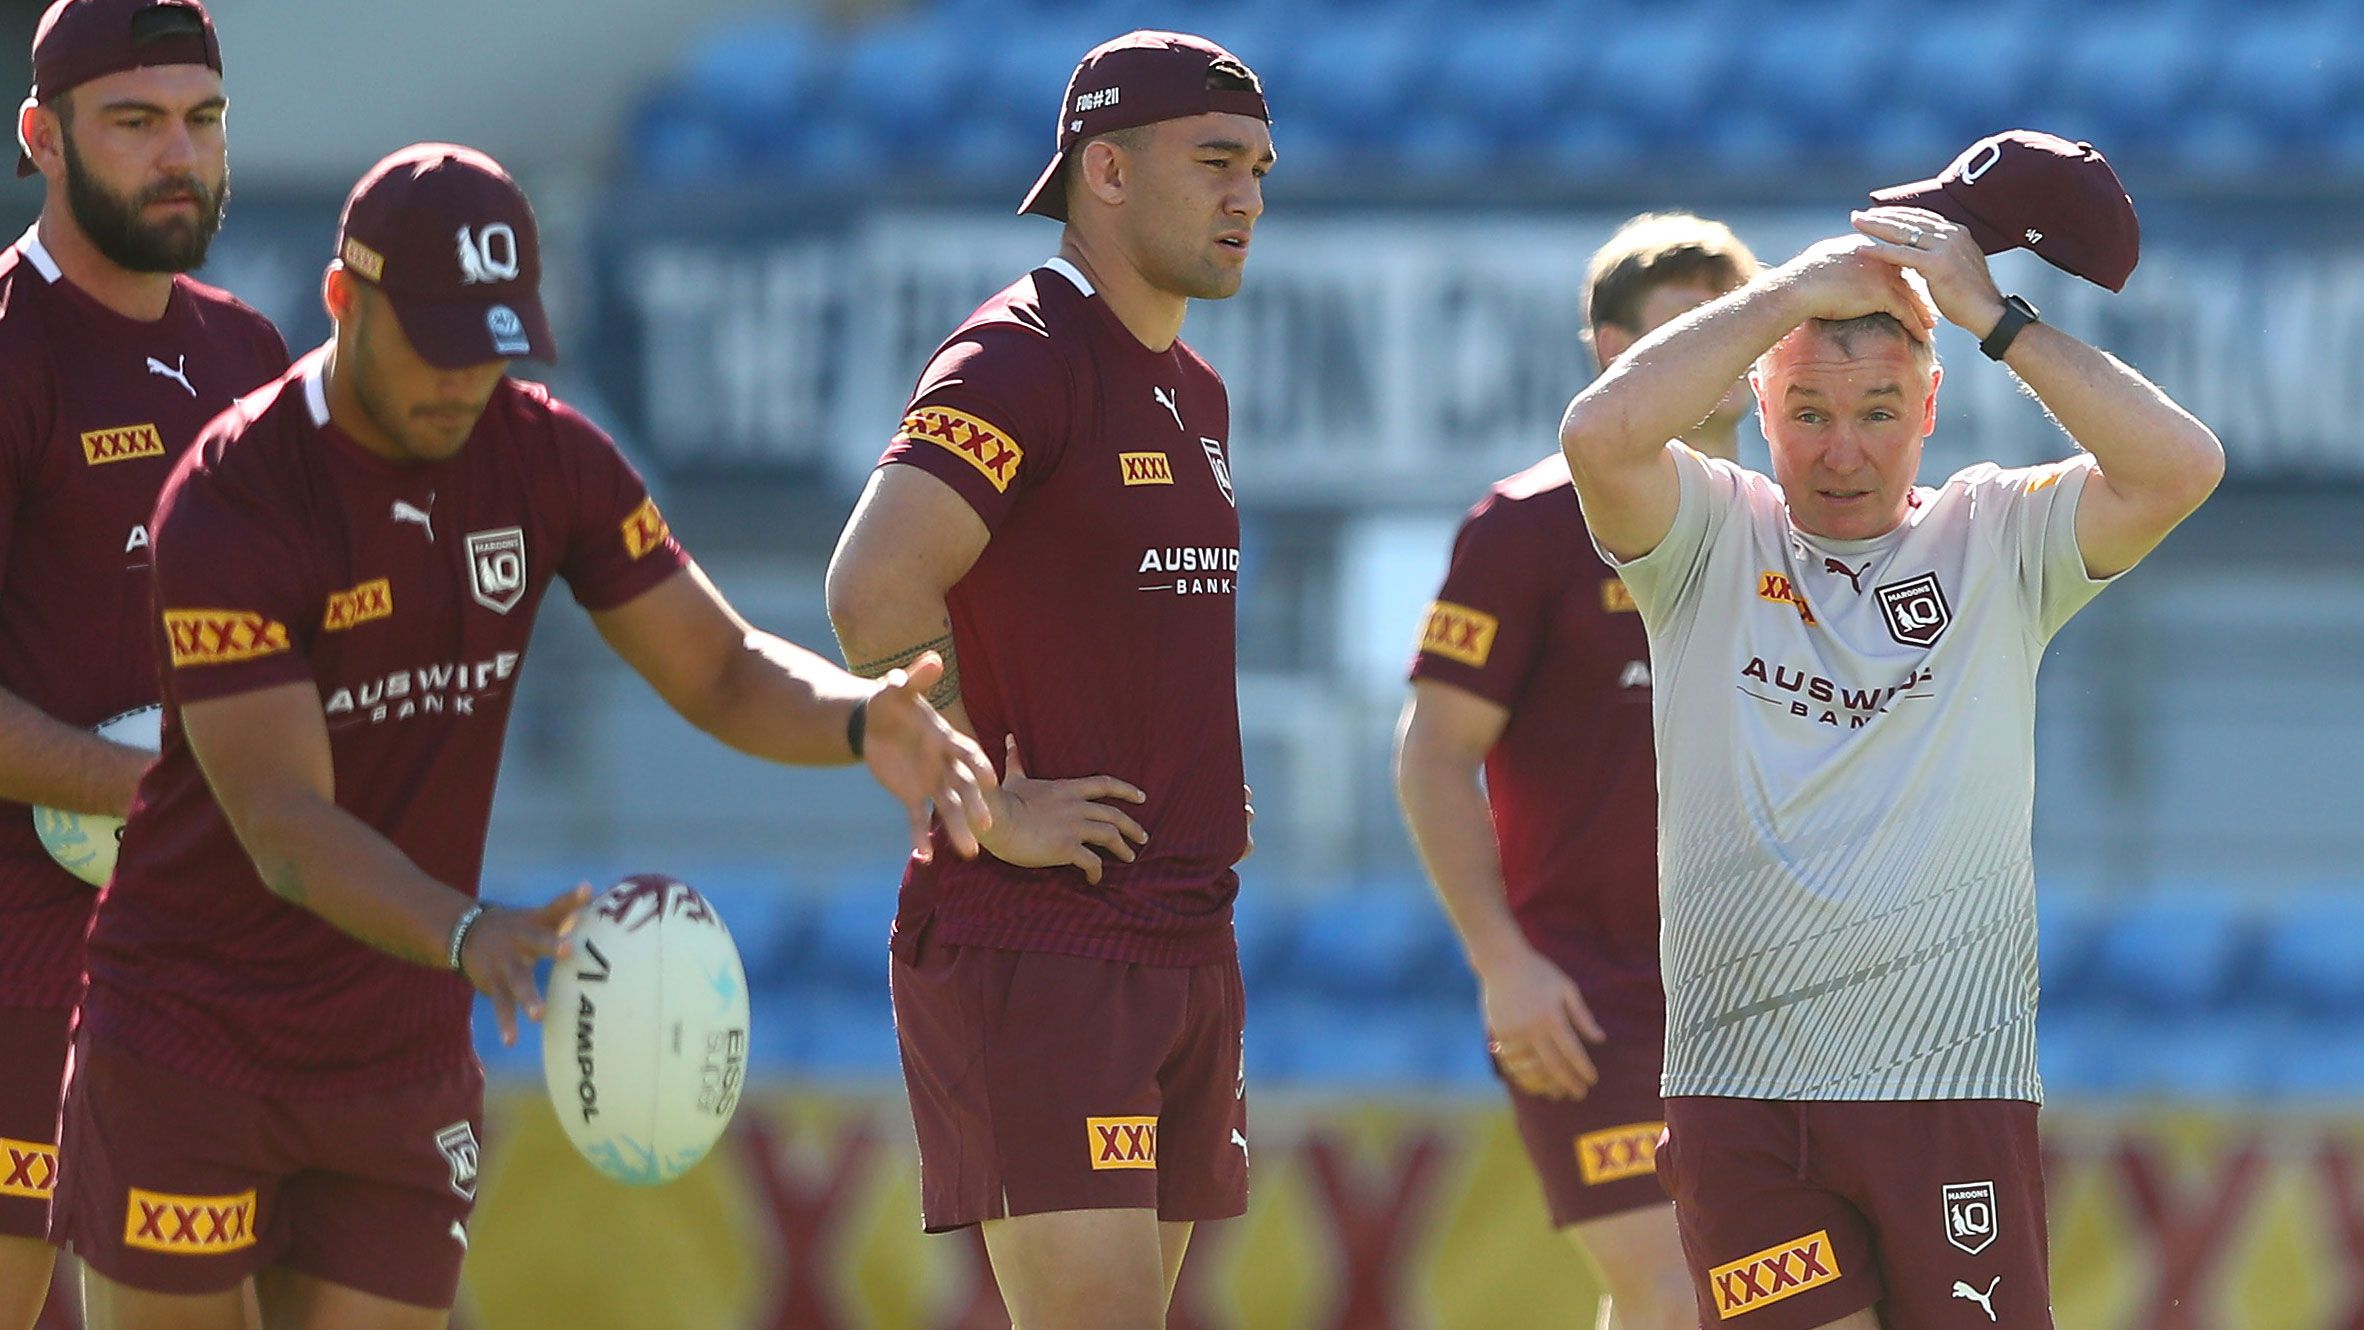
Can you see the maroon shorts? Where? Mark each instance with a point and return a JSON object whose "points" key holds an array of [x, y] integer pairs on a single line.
{"points": [[1041, 1082], [174, 1185], [1795, 1214], [32, 1075], [1595, 1154]]}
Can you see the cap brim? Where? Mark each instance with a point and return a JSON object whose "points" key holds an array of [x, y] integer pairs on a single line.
{"points": [[456, 334], [1047, 198], [1933, 195]]}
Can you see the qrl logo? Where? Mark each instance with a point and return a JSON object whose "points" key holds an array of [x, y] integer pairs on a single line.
{"points": [[1916, 611], [1970, 1215], [496, 568], [458, 1144], [488, 254]]}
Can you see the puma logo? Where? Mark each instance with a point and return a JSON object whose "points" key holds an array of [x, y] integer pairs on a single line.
{"points": [[1854, 576], [1166, 398], [1240, 1139], [177, 373], [1985, 1301], [409, 512]]}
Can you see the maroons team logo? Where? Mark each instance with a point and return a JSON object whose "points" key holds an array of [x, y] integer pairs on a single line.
{"points": [[1970, 1215], [1222, 467], [496, 568], [1915, 610], [1122, 1142], [458, 1144], [28, 1169], [1617, 1153], [1777, 1272], [188, 1225]]}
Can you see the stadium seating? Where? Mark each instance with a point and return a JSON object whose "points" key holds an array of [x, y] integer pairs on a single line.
{"points": [[959, 91], [2183, 990]]}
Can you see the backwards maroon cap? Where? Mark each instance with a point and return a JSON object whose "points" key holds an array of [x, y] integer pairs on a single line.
{"points": [[2023, 188], [450, 239], [1139, 79], [80, 40]]}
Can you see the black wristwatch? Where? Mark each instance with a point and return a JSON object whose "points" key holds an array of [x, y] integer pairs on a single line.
{"points": [[2017, 314]]}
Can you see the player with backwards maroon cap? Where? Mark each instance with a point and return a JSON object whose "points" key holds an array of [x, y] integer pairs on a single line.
{"points": [[111, 360], [273, 1077], [1533, 670], [1056, 518]]}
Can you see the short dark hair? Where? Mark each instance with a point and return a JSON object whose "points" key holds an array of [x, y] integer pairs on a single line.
{"points": [[1659, 249]]}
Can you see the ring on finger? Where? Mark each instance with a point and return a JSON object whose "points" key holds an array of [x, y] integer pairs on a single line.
{"points": [[1912, 236]]}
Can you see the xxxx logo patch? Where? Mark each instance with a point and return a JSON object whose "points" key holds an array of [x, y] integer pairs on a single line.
{"points": [[222, 637], [1777, 1272], [101, 446], [1122, 1142], [28, 1169], [1616, 1153], [188, 1225], [645, 529], [1460, 633], [1776, 587], [1146, 468], [373, 599], [976, 442]]}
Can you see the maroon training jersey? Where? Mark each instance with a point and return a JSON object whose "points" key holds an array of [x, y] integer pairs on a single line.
{"points": [[94, 408], [1532, 619], [405, 595], [1098, 624]]}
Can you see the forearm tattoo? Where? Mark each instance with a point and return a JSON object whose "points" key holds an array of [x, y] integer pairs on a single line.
{"points": [[947, 689]]}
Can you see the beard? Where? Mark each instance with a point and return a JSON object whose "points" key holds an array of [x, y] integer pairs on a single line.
{"points": [[113, 222]]}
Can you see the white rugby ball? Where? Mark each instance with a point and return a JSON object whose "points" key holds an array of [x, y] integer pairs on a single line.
{"points": [[644, 1032], [84, 844]]}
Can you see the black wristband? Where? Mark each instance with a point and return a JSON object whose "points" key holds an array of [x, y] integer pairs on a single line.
{"points": [[853, 727], [2017, 315]]}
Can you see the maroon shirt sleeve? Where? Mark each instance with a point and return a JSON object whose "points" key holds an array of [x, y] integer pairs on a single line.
{"points": [[1487, 624], [237, 612], [22, 430], [618, 544], [989, 417]]}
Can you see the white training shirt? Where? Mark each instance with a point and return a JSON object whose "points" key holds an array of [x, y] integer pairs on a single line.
{"points": [[1846, 773]]}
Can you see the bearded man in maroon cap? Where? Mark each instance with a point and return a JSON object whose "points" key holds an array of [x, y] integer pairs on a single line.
{"points": [[273, 1078], [1845, 667], [111, 360], [1056, 515]]}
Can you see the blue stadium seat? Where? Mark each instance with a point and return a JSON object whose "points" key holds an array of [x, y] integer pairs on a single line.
{"points": [[2313, 953], [847, 1036], [2176, 952], [2083, 1050], [2069, 928], [2314, 1061], [1265, 923], [2205, 1056], [849, 939], [1376, 937]]}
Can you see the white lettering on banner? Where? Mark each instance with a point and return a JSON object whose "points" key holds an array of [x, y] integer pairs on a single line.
{"points": [[1420, 354]]}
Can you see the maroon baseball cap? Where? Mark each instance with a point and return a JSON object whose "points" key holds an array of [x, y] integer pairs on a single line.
{"points": [[449, 237], [2027, 189], [80, 40], [1139, 79]]}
